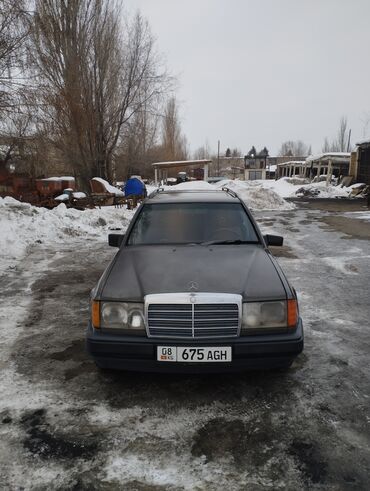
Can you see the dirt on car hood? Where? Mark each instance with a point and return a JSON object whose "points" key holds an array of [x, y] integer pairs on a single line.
{"points": [[243, 269]]}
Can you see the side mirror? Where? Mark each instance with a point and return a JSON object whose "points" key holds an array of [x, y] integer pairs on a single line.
{"points": [[115, 240], [273, 240]]}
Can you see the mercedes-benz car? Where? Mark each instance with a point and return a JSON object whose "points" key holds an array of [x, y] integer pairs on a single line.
{"points": [[194, 288]]}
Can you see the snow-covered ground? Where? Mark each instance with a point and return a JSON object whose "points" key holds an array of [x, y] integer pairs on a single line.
{"points": [[360, 215], [23, 225], [65, 425]]}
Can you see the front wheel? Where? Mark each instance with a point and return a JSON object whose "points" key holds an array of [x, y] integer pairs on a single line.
{"points": [[285, 367]]}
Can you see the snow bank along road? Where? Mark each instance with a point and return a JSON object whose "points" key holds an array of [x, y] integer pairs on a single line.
{"points": [[65, 425]]}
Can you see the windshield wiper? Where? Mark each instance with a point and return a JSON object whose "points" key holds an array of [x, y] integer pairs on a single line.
{"points": [[220, 242]]}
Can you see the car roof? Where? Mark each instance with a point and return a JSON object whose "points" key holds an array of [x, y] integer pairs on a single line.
{"points": [[193, 196]]}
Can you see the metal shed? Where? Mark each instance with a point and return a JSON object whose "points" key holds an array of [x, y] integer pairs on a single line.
{"points": [[327, 164], [363, 162], [161, 168]]}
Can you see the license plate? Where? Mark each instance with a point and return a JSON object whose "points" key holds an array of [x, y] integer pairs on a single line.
{"points": [[194, 354]]}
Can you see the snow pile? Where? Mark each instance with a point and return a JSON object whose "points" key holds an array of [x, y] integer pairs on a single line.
{"points": [[255, 195], [65, 196], [62, 178], [22, 225], [269, 194], [284, 187], [287, 187], [322, 190], [357, 185], [252, 192], [62, 197], [108, 187], [150, 188]]}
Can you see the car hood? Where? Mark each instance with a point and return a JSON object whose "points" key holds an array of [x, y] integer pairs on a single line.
{"points": [[137, 271]]}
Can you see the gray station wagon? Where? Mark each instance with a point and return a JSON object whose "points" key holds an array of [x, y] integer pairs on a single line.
{"points": [[194, 288]]}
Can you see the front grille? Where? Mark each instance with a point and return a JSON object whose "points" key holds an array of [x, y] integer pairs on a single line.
{"points": [[195, 317]]}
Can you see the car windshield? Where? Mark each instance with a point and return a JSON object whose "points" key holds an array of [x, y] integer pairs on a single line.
{"points": [[193, 223]]}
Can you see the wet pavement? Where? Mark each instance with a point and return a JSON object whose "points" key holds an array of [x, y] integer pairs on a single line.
{"points": [[66, 425]]}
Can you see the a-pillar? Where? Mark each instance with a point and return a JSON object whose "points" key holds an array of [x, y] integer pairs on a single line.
{"points": [[156, 175]]}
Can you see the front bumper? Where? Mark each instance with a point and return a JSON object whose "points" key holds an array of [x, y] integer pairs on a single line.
{"points": [[140, 353]]}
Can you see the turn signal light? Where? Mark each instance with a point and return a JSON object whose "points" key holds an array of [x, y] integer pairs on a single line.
{"points": [[95, 313], [292, 313]]}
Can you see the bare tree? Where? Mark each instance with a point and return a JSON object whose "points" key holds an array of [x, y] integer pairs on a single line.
{"points": [[341, 143], [13, 33], [326, 146], [343, 136], [236, 152], [173, 141], [365, 122], [13, 131], [14, 116], [139, 145], [92, 73], [294, 149], [203, 152]]}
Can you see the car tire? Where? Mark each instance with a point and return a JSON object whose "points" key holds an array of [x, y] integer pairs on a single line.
{"points": [[101, 367], [285, 367]]}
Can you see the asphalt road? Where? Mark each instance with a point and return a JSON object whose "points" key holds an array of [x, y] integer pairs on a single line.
{"points": [[66, 425]]}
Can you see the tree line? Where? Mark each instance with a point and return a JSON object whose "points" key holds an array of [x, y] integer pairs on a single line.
{"points": [[341, 143], [83, 88]]}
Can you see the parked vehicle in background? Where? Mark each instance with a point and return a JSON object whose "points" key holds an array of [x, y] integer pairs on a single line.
{"points": [[181, 177]]}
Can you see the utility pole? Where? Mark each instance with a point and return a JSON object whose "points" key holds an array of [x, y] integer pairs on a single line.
{"points": [[218, 158], [349, 141]]}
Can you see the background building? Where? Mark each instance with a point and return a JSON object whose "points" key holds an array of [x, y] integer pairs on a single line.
{"points": [[360, 164], [255, 164]]}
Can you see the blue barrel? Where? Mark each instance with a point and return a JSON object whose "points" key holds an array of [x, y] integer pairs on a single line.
{"points": [[134, 187]]}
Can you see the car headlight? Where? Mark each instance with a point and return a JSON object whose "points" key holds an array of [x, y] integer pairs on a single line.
{"points": [[269, 315], [114, 314], [120, 315]]}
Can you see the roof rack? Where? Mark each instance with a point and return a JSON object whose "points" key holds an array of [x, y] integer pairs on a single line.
{"points": [[229, 191], [163, 190], [156, 191]]}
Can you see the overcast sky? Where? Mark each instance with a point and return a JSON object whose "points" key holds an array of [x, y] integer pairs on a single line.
{"points": [[259, 72]]}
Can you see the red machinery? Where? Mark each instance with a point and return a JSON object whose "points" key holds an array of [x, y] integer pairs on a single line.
{"points": [[39, 192]]}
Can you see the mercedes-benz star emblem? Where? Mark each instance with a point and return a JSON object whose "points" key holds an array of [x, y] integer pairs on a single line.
{"points": [[193, 285]]}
